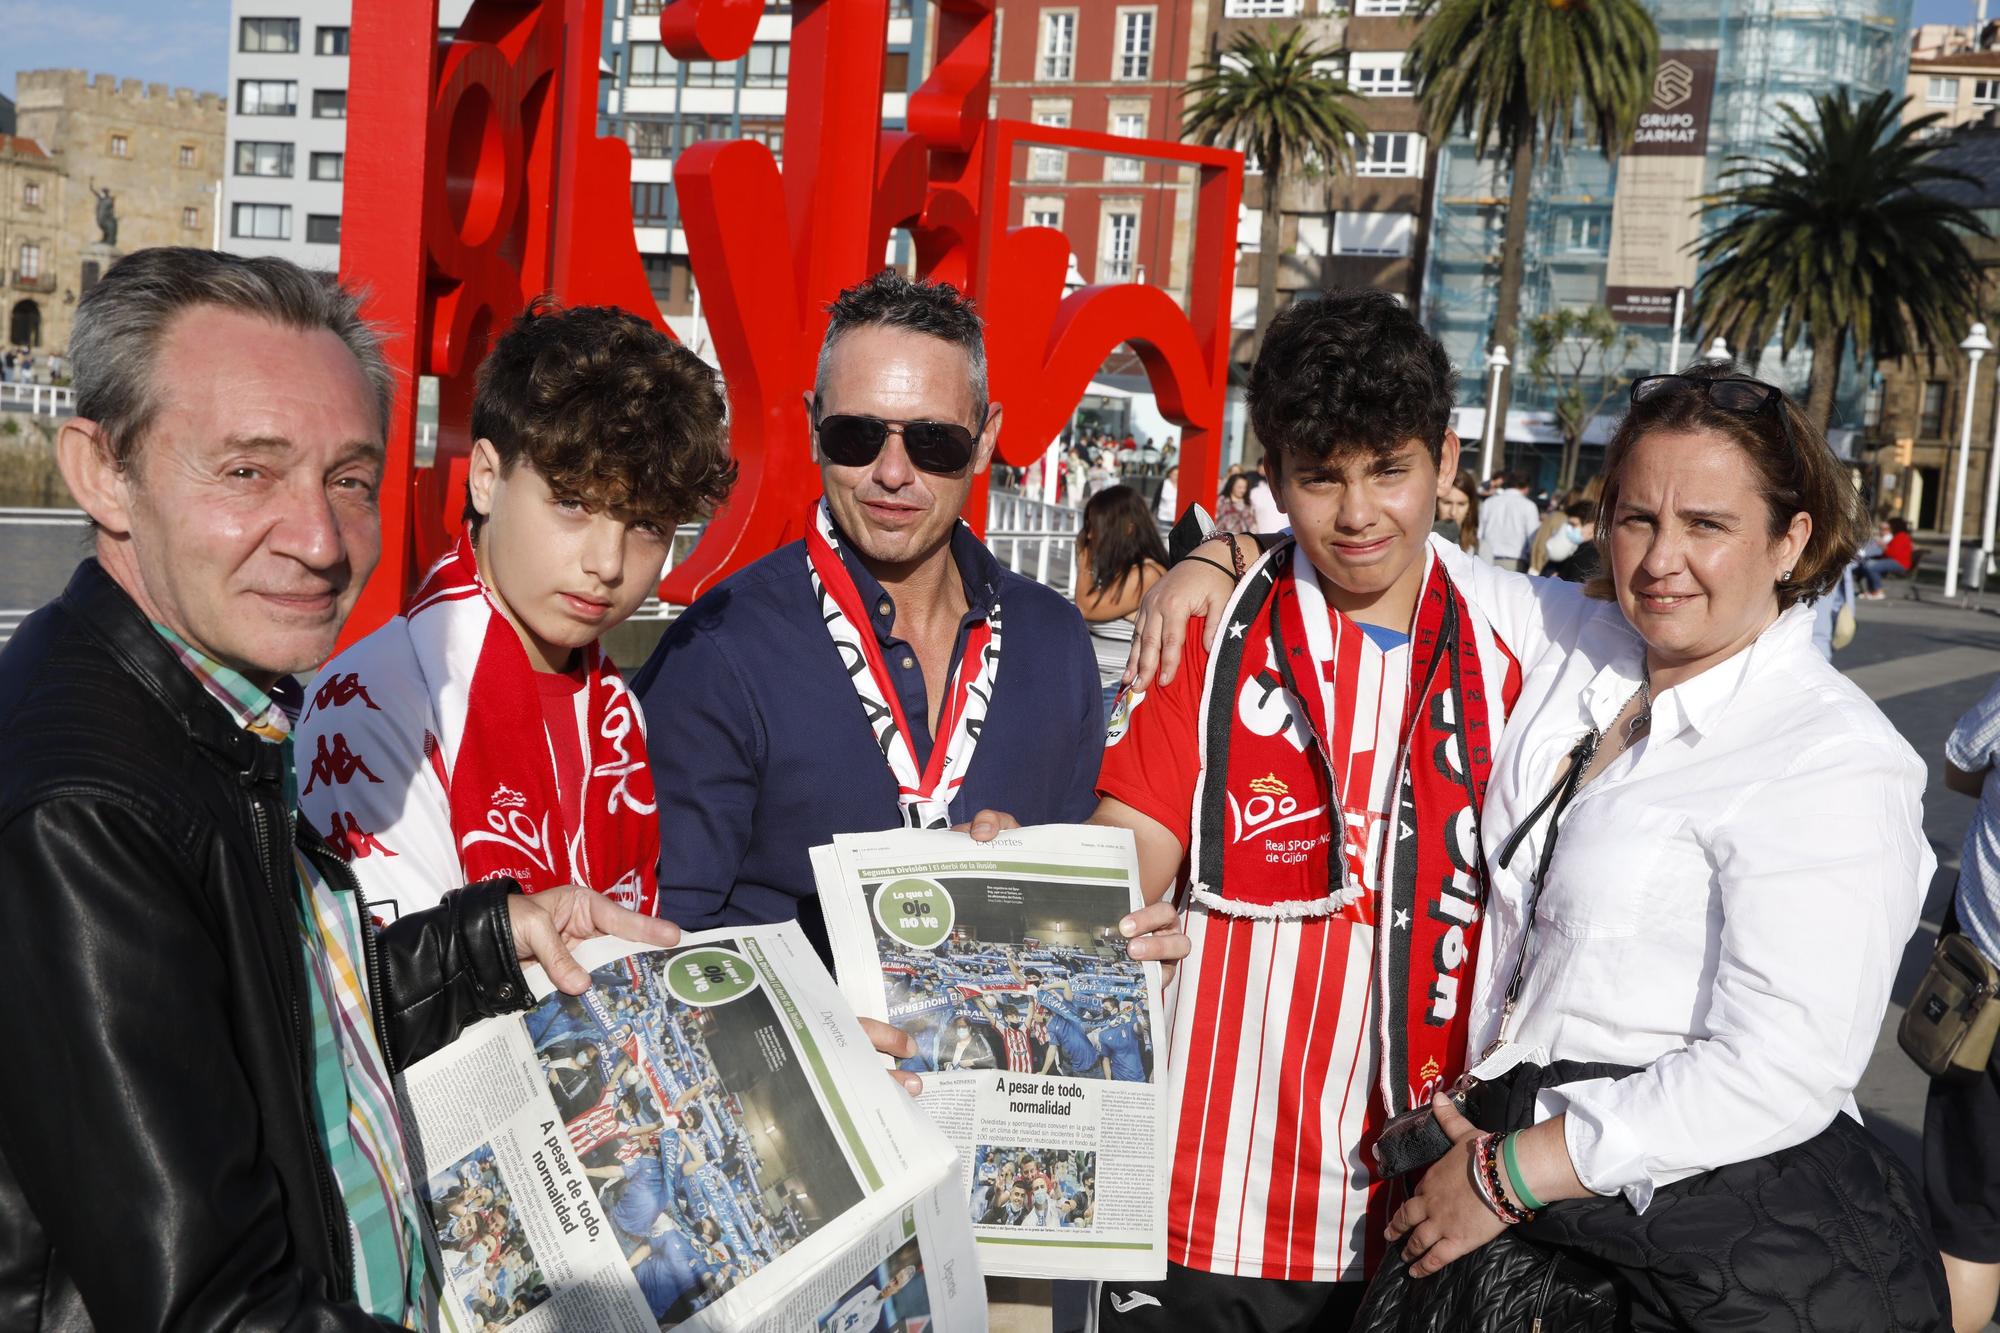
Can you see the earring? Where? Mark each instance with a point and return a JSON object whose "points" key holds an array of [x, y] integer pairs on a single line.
{"points": [[1785, 576]]}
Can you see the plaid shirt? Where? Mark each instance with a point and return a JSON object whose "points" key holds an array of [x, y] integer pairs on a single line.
{"points": [[354, 1100]]}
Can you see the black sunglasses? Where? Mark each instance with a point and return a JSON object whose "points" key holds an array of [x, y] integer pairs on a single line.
{"points": [[1740, 394], [934, 446]]}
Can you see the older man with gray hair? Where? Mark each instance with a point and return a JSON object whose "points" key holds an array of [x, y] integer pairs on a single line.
{"points": [[201, 1131]]}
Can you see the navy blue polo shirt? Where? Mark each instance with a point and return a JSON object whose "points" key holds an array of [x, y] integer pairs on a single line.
{"points": [[760, 749]]}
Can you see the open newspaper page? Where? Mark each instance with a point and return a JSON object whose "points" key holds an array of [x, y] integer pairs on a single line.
{"points": [[703, 1140], [1036, 1032]]}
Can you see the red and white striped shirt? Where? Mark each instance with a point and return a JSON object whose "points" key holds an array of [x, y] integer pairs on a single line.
{"points": [[1273, 1049]]}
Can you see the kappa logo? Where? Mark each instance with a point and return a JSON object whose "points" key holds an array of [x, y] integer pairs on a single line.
{"points": [[1673, 85], [352, 841], [336, 765], [1131, 1301], [339, 691]]}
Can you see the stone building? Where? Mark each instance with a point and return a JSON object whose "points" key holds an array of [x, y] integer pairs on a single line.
{"points": [[156, 152], [30, 224]]}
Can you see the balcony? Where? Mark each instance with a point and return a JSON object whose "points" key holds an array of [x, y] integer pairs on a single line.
{"points": [[32, 282]]}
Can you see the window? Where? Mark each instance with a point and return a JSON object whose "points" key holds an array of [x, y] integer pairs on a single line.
{"points": [[330, 104], [191, 219], [1942, 91], [1058, 44], [649, 138], [1931, 415], [1391, 154], [267, 97], [31, 194], [652, 201], [1048, 164], [328, 166], [1315, 236], [187, 155], [323, 228], [1379, 74], [1043, 212], [1386, 9], [770, 133], [269, 36], [1986, 92], [1121, 242], [330, 42], [261, 222], [120, 146], [767, 64], [1374, 233], [1586, 231], [710, 73], [1249, 229], [647, 6], [1260, 9], [31, 260], [651, 67], [263, 159], [1130, 125], [896, 71], [1135, 44]]}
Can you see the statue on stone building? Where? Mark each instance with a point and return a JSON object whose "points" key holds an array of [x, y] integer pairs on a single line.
{"points": [[107, 215]]}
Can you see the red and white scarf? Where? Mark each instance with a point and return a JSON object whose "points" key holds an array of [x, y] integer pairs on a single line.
{"points": [[494, 758], [923, 795], [1276, 637]]}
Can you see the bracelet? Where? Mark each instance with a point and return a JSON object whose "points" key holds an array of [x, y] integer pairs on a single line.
{"points": [[1213, 564], [1515, 1180], [1236, 558], [1486, 1178]]}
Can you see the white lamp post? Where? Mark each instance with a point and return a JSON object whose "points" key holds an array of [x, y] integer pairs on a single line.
{"points": [[1718, 351], [1992, 489], [1975, 346], [1496, 366]]}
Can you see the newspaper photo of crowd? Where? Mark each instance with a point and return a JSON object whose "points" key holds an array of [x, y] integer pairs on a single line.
{"points": [[483, 1244], [1033, 979], [697, 1128], [1034, 1187], [891, 1299]]}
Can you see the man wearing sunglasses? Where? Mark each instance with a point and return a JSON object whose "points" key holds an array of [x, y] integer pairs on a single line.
{"points": [[883, 672]]}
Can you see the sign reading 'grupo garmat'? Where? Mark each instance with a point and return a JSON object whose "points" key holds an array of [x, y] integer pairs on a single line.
{"points": [[1656, 215], [476, 179]]}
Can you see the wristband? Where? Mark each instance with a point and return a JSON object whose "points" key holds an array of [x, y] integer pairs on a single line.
{"points": [[1212, 564], [1515, 1180]]}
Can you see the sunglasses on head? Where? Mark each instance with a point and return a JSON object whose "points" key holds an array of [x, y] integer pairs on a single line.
{"points": [[933, 446], [1738, 394]]}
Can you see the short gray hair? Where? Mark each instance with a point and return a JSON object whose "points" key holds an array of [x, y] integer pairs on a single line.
{"points": [[890, 300], [115, 344]]}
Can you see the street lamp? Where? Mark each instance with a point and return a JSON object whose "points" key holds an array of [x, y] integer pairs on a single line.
{"points": [[1992, 490], [1496, 366], [1718, 352], [1975, 346]]}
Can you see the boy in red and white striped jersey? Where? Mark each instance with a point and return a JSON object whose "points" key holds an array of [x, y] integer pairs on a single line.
{"points": [[1353, 695]]}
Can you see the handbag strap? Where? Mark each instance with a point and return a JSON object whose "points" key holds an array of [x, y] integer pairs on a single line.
{"points": [[1558, 799]]}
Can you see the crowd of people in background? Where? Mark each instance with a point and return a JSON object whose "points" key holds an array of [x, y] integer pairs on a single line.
{"points": [[20, 365]]}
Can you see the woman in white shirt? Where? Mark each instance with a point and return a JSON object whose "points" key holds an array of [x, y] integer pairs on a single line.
{"points": [[1743, 858]]}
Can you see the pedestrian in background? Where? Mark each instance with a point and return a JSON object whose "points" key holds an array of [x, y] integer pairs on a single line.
{"points": [[1458, 511], [1898, 558], [1507, 523], [1232, 510], [1962, 1116], [1119, 554]]}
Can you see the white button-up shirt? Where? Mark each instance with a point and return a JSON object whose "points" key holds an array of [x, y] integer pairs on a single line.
{"points": [[1729, 899], [1507, 523]]}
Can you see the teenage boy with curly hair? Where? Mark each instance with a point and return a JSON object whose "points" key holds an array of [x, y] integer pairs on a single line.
{"points": [[1318, 775], [484, 732]]}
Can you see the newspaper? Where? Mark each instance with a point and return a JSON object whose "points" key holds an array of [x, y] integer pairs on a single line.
{"points": [[1041, 1042], [704, 1140]]}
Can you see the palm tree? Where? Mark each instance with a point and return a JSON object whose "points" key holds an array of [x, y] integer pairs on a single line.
{"points": [[1841, 235], [1522, 74], [1269, 95]]}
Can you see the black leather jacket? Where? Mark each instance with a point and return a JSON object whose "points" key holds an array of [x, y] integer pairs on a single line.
{"points": [[159, 1168]]}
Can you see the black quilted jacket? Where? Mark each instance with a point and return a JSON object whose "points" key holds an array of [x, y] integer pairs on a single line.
{"points": [[1826, 1237]]}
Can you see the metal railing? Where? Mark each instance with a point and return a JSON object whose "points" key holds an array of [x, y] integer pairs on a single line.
{"points": [[34, 282], [41, 400]]}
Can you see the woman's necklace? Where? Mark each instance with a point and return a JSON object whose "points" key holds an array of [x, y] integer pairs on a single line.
{"points": [[1643, 718]]}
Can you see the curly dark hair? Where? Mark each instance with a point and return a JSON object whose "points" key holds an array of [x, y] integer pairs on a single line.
{"points": [[1350, 370], [890, 300], [605, 408]]}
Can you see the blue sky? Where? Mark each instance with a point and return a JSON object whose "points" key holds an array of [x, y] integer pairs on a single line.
{"points": [[186, 42], [180, 42]]}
